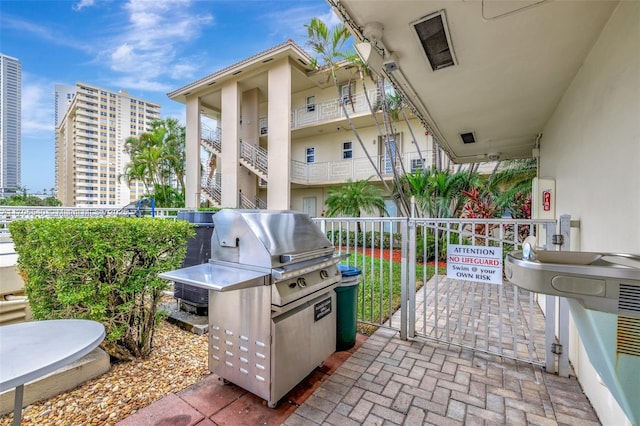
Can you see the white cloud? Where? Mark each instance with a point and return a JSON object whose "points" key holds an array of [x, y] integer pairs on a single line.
{"points": [[47, 34], [37, 107], [146, 50], [291, 23], [82, 4]]}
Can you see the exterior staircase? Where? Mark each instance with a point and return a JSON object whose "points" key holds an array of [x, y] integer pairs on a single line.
{"points": [[253, 157], [211, 186]]}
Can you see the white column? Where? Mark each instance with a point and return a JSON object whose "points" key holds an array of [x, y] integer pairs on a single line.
{"points": [[279, 123], [249, 135], [230, 134], [192, 151]]}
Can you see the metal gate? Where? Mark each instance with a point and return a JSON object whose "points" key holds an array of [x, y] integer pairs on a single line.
{"points": [[405, 285], [495, 318]]}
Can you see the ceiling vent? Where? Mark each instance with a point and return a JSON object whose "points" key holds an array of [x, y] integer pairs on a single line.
{"points": [[468, 137], [433, 34]]}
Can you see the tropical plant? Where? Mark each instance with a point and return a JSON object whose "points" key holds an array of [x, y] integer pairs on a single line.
{"points": [[157, 159], [439, 193], [329, 45], [511, 186], [353, 198], [29, 200]]}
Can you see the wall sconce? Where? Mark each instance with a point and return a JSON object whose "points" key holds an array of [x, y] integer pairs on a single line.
{"points": [[370, 56]]}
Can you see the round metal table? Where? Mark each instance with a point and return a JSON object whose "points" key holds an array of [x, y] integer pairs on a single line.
{"points": [[30, 350]]}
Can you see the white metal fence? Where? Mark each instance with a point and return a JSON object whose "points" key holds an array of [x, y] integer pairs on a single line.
{"points": [[404, 284]]}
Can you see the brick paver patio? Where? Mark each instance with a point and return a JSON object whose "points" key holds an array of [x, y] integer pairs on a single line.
{"points": [[394, 382]]}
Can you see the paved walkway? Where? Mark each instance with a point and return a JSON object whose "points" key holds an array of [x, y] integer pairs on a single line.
{"points": [[388, 381]]}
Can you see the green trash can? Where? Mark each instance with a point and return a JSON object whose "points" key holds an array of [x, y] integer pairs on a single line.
{"points": [[347, 307]]}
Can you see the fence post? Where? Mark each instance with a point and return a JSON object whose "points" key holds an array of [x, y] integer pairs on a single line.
{"points": [[403, 280], [411, 249], [550, 313], [549, 333], [563, 311]]}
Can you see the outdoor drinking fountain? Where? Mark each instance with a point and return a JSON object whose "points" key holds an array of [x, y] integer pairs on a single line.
{"points": [[603, 294], [604, 282]]}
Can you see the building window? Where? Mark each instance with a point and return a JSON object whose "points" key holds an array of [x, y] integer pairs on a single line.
{"points": [[417, 164], [347, 150], [311, 103], [347, 93], [311, 155]]}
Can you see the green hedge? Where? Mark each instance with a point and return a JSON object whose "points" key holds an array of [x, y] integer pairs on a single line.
{"points": [[353, 238], [423, 254], [103, 269]]}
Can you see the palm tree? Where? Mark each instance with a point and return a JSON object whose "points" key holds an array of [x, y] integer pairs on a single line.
{"points": [[510, 183], [439, 193], [353, 198], [329, 45], [158, 161]]}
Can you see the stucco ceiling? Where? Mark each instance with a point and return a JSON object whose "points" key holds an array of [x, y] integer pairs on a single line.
{"points": [[514, 62]]}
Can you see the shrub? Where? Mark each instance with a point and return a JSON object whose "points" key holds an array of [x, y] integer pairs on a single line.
{"points": [[367, 239], [102, 269]]}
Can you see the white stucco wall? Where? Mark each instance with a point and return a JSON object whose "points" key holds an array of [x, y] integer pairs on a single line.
{"points": [[591, 146]]}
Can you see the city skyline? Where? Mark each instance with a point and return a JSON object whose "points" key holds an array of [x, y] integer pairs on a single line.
{"points": [[146, 48]]}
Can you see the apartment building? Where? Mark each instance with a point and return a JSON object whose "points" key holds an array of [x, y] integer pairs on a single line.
{"points": [[281, 137], [90, 136], [10, 126]]}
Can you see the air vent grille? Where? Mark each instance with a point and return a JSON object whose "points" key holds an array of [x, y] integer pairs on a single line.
{"points": [[434, 37], [628, 336], [629, 299], [468, 137]]}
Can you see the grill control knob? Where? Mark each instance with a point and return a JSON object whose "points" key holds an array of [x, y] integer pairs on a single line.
{"points": [[302, 282], [324, 274]]}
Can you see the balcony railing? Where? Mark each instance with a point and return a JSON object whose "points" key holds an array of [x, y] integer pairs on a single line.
{"points": [[332, 110], [308, 115], [256, 156], [246, 203], [211, 183], [356, 169], [211, 137]]}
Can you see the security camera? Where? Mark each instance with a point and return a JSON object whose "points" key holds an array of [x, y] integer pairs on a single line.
{"points": [[390, 64]]}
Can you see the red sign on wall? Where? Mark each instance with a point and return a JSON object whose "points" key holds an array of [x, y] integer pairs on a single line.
{"points": [[546, 200]]}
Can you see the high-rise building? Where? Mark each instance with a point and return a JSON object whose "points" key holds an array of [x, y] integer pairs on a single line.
{"points": [[90, 136], [63, 97], [10, 103]]}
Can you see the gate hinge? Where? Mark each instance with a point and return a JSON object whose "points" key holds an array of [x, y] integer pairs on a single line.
{"points": [[557, 239], [556, 348]]}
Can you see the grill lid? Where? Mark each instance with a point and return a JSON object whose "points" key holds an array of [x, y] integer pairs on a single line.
{"points": [[267, 238]]}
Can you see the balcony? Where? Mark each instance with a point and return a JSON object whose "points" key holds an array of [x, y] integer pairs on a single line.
{"points": [[331, 172], [321, 112], [332, 110]]}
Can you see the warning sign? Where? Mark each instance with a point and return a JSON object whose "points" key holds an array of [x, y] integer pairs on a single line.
{"points": [[475, 263]]}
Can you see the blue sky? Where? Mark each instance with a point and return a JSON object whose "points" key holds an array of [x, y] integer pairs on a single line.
{"points": [[147, 47]]}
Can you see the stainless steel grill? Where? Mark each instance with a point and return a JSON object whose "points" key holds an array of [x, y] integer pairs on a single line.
{"points": [[272, 316]]}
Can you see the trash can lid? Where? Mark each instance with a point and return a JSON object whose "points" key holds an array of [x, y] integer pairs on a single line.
{"points": [[349, 271]]}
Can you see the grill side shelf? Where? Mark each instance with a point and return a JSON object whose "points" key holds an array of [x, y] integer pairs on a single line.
{"points": [[217, 277]]}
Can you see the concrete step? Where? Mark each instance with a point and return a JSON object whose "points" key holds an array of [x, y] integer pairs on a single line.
{"points": [[92, 365], [196, 324]]}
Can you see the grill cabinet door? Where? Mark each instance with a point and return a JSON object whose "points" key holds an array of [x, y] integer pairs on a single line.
{"points": [[303, 339]]}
